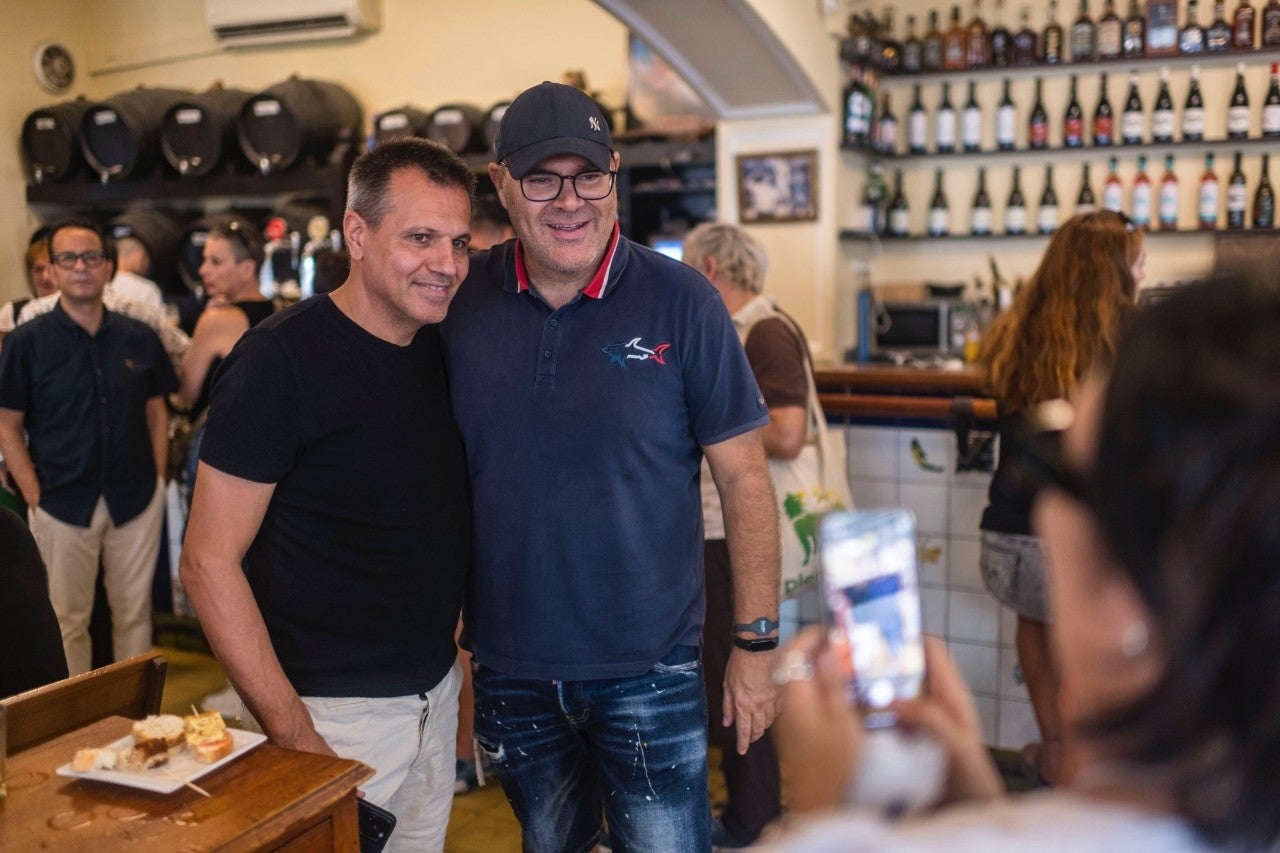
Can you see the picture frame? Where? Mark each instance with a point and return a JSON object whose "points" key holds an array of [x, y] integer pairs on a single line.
{"points": [[778, 187]]}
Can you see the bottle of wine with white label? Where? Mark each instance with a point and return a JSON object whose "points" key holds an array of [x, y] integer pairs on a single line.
{"points": [[1047, 214], [1132, 122], [1271, 109], [939, 210], [1238, 112], [944, 123], [1193, 110], [1237, 196], [971, 122], [917, 125], [1006, 121], [980, 216], [1162, 115], [899, 219], [1015, 211]]}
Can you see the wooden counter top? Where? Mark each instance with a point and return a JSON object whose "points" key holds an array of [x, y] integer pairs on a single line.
{"points": [[901, 392]]}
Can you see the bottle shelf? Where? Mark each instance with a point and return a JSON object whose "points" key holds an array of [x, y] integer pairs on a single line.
{"points": [[856, 236], [1083, 152]]}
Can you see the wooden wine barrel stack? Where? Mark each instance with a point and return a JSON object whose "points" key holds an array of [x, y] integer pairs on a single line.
{"points": [[401, 121], [458, 127], [120, 137], [198, 134], [298, 118], [492, 119], [160, 233], [51, 141]]}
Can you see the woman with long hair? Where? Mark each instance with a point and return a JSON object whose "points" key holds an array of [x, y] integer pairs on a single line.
{"points": [[1064, 321]]}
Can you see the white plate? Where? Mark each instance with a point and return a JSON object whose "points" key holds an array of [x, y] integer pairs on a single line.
{"points": [[169, 777]]}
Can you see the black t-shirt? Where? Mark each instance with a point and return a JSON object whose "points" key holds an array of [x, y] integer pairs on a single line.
{"points": [[360, 562], [254, 311], [1013, 489]]}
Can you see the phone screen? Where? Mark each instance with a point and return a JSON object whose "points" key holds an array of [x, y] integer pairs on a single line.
{"points": [[872, 602]]}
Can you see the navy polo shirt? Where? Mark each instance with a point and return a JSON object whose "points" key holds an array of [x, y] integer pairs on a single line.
{"points": [[84, 402], [584, 429]]}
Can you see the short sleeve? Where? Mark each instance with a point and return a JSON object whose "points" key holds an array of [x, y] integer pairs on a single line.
{"points": [[163, 379], [720, 390], [777, 358], [15, 371]]}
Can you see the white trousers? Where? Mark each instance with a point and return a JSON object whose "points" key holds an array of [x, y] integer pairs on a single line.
{"points": [[409, 741]]}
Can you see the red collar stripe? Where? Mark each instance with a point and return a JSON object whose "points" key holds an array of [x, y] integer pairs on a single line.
{"points": [[599, 282]]}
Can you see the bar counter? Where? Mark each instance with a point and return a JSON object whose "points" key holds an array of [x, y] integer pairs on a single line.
{"points": [[883, 391]]}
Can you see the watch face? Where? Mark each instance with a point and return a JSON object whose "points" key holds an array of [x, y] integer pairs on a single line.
{"points": [[54, 68]]}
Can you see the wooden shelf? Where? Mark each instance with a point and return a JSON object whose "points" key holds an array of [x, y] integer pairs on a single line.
{"points": [[853, 236], [1079, 153]]}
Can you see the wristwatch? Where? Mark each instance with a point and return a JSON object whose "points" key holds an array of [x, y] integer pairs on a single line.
{"points": [[767, 644], [762, 626]]}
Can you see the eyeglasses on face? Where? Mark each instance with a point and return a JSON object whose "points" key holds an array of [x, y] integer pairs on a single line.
{"points": [[67, 260], [544, 186]]}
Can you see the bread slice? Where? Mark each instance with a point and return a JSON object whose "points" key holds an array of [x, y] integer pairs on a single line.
{"points": [[207, 736], [209, 751], [166, 727]]}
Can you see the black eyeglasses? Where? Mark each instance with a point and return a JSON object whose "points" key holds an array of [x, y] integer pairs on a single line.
{"points": [[545, 186], [67, 260]]}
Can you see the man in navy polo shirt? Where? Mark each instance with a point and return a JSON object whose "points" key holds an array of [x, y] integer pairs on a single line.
{"points": [[87, 385], [589, 375]]}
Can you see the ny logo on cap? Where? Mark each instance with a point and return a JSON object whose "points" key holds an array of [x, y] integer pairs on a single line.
{"points": [[593, 122]]}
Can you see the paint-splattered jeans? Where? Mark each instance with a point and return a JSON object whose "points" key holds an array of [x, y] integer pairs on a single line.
{"points": [[631, 749]]}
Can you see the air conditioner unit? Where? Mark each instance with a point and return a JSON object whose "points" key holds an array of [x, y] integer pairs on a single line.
{"points": [[245, 23]]}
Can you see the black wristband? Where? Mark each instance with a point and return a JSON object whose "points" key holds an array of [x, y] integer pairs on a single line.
{"points": [[767, 644], [762, 626]]}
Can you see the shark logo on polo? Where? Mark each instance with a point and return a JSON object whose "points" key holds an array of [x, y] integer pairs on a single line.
{"points": [[633, 351]]}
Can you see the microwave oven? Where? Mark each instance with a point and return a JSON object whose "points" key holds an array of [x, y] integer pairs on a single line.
{"points": [[918, 327]]}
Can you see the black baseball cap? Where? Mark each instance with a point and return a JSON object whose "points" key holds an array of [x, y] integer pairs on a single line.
{"points": [[551, 120]]}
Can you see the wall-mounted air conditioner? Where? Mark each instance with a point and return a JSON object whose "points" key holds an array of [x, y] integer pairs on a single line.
{"points": [[243, 23]]}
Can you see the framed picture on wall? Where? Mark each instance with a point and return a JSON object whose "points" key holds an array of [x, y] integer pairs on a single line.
{"points": [[781, 187]]}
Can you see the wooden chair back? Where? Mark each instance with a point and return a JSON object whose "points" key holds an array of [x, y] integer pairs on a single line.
{"points": [[127, 688]]}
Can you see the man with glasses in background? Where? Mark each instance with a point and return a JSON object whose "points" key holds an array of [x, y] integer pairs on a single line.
{"points": [[589, 375], [88, 386]]}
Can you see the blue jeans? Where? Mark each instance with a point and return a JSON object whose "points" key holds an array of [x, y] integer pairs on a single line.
{"points": [[632, 749]]}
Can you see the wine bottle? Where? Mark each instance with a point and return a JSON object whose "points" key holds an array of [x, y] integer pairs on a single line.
{"points": [[1242, 26], [1271, 24], [1109, 32], [886, 128], [931, 47], [1169, 197], [1085, 201], [1238, 112], [1113, 188], [1026, 44], [899, 224], [939, 212], [1162, 115], [1207, 200], [1217, 38], [1047, 214], [912, 49], [1073, 120], [1006, 120], [1237, 196], [977, 44], [971, 122], [1140, 201], [944, 124], [1052, 38], [873, 198], [1193, 110], [980, 218], [858, 108], [1083, 35], [1264, 199], [1015, 211], [917, 125], [1191, 36], [1134, 38], [890, 47], [1001, 39], [953, 44], [1103, 117], [1132, 121], [1271, 109], [1038, 124]]}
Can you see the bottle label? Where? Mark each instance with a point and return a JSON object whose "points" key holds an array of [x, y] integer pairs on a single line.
{"points": [[1131, 125], [1087, 207], [1047, 218], [1162, 124], [1073, 132], [1237, 198], [946, 130], [1103, 126], [1207, 208], [886, 134], [1039, 134], [1141, 212], [899, 222], [980, 222], [939, 220], [1238, 121], [1005, 126], [1109, 39], [1271, 119], [972, 129], [1169, 204], [1113, 196], [1193, 122], [917, 131], [1015, 220]]}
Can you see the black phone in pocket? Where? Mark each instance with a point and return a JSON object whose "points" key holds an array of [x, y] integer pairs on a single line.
{"points": [[376, 824]]}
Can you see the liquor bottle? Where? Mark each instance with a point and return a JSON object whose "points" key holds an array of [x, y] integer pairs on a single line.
{"points": [[873, 194], [899, 219], [977, 48], [1015, 212], [1237, 196], [1140, 201], [953, 44], [1191, 36], [1242, 26], [886, 128], [1026, 44], [1047, 214], [1207, 199], [1109, 32], [917, 125], [1006, 119], [1001, 39], [912, 49], [858, 108], [1271, 24], [1193, 110], [1052, 38], [939, 212], [1085, 202], [1168, 197], [890, 48], [980, 217], [1103, 118], [1073, 120], [1038, 124], [1083, 35], [1271, 109], [931, 47], [1238, 112], [1264, 200], [971, 122], [1217, 38], [944, 123], [1113, 188], [1133, 41], [1162, 115], [1132, 122]]}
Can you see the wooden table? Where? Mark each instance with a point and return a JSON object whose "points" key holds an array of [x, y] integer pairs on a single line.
{"points": [[268, 799]]}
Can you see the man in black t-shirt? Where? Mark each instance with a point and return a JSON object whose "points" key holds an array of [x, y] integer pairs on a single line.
{"points": [[329, 533]]}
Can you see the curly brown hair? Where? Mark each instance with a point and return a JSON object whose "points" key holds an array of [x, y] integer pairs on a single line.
{"points": [[1068, 316]]}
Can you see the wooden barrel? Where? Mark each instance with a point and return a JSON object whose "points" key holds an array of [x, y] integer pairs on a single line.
{"points": [[297, 118], [402, 121], [458, 127], [51, 141], [120, 137], [160, 233], [492, 120], [199, 134]]}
